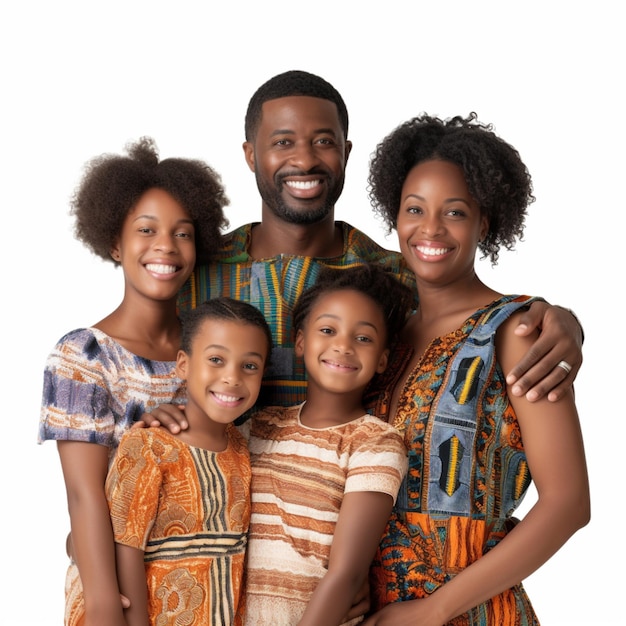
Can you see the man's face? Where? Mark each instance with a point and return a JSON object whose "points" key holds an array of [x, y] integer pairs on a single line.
{"points": [[299, 157]]}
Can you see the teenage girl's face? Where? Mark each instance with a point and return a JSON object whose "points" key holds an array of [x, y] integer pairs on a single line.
{"points": [[156, 247], [343, 341], [439, 223], [224, 369]]}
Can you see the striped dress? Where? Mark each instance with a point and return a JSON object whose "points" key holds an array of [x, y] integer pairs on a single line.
{"points": [[299, 477]]}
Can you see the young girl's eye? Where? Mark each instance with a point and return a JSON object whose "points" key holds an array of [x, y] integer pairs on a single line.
{"points": [[184, 235], [251, 366], [215, 360], [326, 331], [364, 339]]}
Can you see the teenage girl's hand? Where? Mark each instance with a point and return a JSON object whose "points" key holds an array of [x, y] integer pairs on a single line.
{"points": [[171, 416], [538, 373]]}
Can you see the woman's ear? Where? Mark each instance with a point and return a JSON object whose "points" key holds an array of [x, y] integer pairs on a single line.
{"points": [[484, 227]]}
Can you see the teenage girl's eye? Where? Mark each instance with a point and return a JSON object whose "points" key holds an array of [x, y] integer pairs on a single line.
{"points": [[184, 235], [215, 360]]}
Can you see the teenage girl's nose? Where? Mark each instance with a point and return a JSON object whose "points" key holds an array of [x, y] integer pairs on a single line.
{"points": [[166, 243]]}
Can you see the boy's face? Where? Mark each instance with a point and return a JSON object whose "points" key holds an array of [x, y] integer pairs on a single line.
{"points": [[224, 369], [343, 341]]}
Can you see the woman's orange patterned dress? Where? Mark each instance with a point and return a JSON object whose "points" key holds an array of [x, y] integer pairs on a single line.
{"points": [[467, 471]]}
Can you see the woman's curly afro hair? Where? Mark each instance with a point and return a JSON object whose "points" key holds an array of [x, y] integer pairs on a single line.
{"points": [[112, 185], [494, 172]]}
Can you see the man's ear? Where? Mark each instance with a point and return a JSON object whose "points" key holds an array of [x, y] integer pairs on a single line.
{"points": [[248, 151], [299, 344], [383, 362], [182, 363], [348, 149]]}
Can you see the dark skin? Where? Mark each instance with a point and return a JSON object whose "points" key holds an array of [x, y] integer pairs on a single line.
{"points": [[300, 138]]}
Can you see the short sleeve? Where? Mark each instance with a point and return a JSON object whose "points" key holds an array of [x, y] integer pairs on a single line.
{"points": [[378, 461], [133, 486], [76, 401]]}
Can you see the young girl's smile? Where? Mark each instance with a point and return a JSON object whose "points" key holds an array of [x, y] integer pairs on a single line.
{"points": [[343, 341]]}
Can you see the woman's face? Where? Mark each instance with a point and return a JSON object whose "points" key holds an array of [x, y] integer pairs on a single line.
{"points": [[439, 223]]}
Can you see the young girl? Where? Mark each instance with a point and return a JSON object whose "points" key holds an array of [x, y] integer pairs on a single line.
{"points": [[452, 553], [148, 217], [324, 473], [180, 504]]}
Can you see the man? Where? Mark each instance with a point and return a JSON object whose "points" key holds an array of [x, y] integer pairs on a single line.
{"points": [[297, 145]]}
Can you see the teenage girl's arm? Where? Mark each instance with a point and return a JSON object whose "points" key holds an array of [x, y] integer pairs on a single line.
{"points": [[536, 372], [131, 574], [361, 522], [556, 458], [84, 470]]}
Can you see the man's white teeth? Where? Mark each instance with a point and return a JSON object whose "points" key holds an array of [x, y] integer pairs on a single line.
{"points": [[428, 251], [302, 184], [161, 269]]}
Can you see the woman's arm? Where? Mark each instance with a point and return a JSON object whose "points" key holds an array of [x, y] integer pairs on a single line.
{"points": [[84, 470], [536, 372], [361, 522], [556, 458], [131, 574]]}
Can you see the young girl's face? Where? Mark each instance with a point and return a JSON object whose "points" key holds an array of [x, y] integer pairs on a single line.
{"points": [[224, 369], [156, 247], [439, 223], [343, 341]]}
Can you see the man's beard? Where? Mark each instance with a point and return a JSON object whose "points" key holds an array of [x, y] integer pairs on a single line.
{"points": [[273, 199]]}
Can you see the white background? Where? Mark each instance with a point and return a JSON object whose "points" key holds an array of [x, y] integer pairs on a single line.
{"points": [[81, 78]]}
